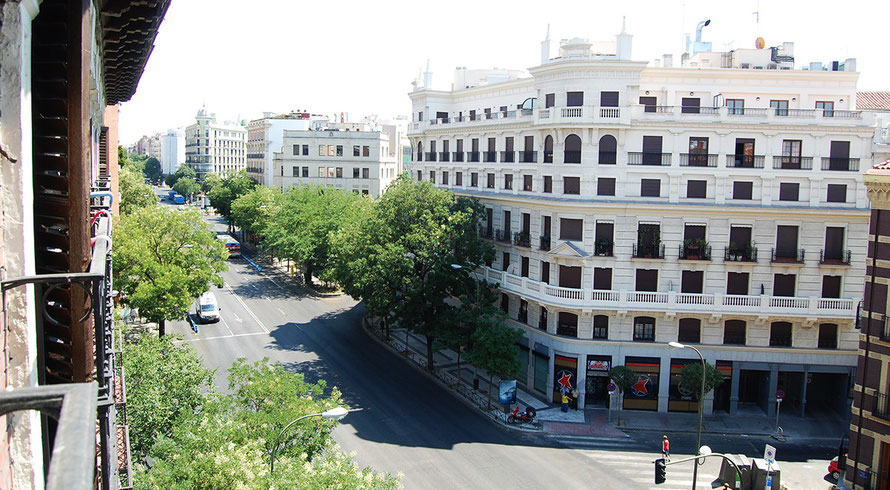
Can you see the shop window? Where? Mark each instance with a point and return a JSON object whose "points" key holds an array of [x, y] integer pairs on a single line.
{"points": [[689, 331], [734, 332], [644, 329], [643, 394]]}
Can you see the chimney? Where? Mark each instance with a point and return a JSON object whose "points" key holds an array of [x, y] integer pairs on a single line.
{"points": [[623, 44], [545, 47], [668, 61]]}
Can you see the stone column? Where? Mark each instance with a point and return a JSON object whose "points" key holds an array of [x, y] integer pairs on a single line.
{"points": [[664, 383], [770, 392], [734, 392]]}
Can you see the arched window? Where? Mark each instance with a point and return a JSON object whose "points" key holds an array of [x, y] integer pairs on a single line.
{"points": [[780, 334], [644, 329], [572, 152], [734, 332], [689, 331], [600, 327], [608, 150], [548, 149], [567, 324], [828, 336], [420, 151]]}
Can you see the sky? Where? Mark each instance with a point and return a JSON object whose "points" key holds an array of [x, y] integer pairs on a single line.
{"points": [[242, 58]]}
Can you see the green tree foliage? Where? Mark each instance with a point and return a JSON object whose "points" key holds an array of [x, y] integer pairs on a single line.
{"points": [[223, 195], [164, 258], [690, 378], [623, 377], [253, 211], [493, 348], [301, 228], [184, 171], [187, 187], [135, 193], [210, 181], [152, 169], [165, 385]]}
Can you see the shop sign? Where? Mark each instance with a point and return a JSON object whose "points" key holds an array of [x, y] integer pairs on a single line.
{"points": [[598, 365]]}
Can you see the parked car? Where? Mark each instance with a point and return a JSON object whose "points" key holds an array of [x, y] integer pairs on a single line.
{"points": [[833, 469]]}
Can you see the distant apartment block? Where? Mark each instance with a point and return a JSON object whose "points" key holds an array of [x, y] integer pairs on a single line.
{"points": [[216, 148], [264, 138]]}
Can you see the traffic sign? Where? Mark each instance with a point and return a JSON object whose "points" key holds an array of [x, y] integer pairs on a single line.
{"points": [[769, 454], [780, 394], [612, 388]]}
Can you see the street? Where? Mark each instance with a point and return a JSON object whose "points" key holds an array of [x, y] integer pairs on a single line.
{"points": [[404, 422]]}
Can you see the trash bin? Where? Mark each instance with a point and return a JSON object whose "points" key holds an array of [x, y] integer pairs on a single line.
{"points": [[762, 472], [728, 473]]}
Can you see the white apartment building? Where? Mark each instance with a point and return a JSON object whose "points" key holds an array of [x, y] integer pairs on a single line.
{"points": [[264, 137], [172, 150], [215, 148], [348, 156], [632, 206]]}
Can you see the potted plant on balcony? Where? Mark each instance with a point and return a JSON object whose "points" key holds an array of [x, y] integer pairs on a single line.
{"points": [[603, 247], [695, 248]]}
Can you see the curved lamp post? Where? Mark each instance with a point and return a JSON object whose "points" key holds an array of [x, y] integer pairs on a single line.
{"points": [[701, 396], [334, 413]]}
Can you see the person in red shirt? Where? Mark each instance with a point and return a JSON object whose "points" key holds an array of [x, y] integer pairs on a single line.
{"points": [[666, 448]]}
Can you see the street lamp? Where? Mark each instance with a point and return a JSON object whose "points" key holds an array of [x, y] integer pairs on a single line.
{"points": [[334, 413], [701, 395]]}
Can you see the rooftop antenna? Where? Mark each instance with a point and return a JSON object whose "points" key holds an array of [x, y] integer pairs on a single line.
{"points": [[757, 19]]}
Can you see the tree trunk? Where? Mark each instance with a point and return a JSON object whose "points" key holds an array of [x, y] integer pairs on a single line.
{"points": [[307, 275], [460, 377], [620, 399], [161, 327], [489, 391], [429, 353]]}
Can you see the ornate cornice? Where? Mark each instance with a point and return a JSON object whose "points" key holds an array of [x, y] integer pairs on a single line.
{"points": [[877, 181]]}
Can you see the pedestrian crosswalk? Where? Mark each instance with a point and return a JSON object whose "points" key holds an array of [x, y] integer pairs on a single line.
{"points": [[636, 464]]}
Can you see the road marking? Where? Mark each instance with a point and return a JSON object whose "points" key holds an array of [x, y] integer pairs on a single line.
{"points": [[237, 318], [226, 325], [249, 312], [282, 312], [225, 336]]}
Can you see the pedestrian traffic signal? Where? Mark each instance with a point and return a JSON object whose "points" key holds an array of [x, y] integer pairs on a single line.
{"points": [[660, 471]]}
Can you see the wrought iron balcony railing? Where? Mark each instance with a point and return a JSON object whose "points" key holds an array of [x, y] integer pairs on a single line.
{"points": [[648, 251], [695, 252], [522, 239], [545, 243], [836, 257], [503, 236], [788, 255], [744, 161], [647, 158], [738, 254]]}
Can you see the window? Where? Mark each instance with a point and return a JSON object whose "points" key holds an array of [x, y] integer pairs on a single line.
{"points": [[445, 177], [744, 153], [652, 146], [834, 245], [545, 272], [574, 99], [527, 183], [366, 174], [419, 175], [508, 181], [321, 150], [608, 99], [420, 151], [322, 172], [692, 282], [691, 105], [689, 331], [474, 179], [459, 179], [734, 332], [605, 186], [356, 150], [572, 152], [600, 327], [647, 280], [837, 193], [420, 116], [339, 150], [305, 171], [789, 191], [549, 100], [781, 107], [306, 150], [828, 336], [339, 172], [649, 103], [490, 183], [644, 329], [698, 152], [791, 154], [330, 172], [604, 238], [366, 151], [786, 242], [523, 311], [569, 277], [783, 284], [505, 303], [650, 187], [571, 185], [505, 261], [737, 283], [736, 106], [827, 108], [331, 150], [355, 171], [697, 189], [742, 190], [523, 267], [571, 229], [780, 334], [296, 172], [432, 176], [831, 286], [296, 150], [567, 324], [548, 184], [602, 278], [608, 150]]}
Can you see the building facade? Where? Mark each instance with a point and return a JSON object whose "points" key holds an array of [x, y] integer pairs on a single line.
{"points": [[172, 150], [348, 156], [264, 137], [216, 148], [632, 206]]}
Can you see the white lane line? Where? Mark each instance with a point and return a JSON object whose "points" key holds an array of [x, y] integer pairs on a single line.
{"points": [[282, 312], [249, 312], [226, 325], [226, 336]]}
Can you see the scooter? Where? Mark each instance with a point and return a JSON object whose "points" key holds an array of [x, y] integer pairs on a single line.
{"points": [[526, 417]]}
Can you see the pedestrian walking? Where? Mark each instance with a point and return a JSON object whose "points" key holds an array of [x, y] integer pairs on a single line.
{"points": [[575, 395], [565, 401], [666, 448]]}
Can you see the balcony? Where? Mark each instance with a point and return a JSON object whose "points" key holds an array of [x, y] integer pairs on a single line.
{"points": [[572, 156], [545, 243], [641, 158], [582, 114], [548, 156], [698, 110], [528, 156], [503, 236], [695, 250], [648, 251], [744, 161], [522, 239], [738, 254], [457, 156], [444, 156], [707, 303], [486, 233], [472, 156], [793, 256], [840, 164], [603, 247], [489, 156], [835, 257], [792, 162], [431, 156], [508, 156], [567, 329], [747, 111], [698, 159], [881, 407]]}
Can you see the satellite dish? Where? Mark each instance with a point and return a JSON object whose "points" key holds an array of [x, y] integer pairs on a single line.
{"points": [[759, 43]]}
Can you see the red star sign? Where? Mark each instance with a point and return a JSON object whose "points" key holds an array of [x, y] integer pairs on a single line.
{"points": [[565, 380], [640, 388]]}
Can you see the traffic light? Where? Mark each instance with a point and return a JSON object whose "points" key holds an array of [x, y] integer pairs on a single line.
{"points": [[660, 471]]}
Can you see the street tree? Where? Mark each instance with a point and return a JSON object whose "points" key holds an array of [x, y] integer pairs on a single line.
{"points": [[187, 187], [165, 387], [690, 378], [623, 377], [253, 212], [134, 162], [152, 169], [165, 258], [210, 181], [183, 171], [223, 195], [135, 193], [493, 348]]}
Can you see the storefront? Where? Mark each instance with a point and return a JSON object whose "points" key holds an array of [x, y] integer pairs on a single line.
{"points": [[723, 392], [643, 394], [565, 376], [522, 375], [681, 398], [596, 392], [542, 368]]}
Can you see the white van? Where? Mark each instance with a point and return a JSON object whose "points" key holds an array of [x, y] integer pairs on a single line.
{"points": [[207, 309]]}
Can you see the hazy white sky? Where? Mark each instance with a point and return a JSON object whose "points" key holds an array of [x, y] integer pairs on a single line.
{"points": [[245, 57]]}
